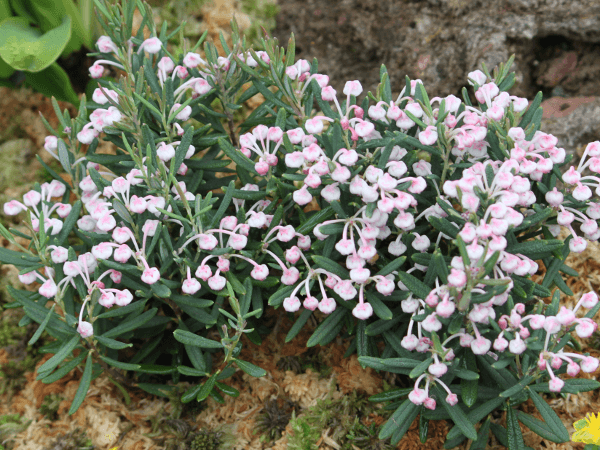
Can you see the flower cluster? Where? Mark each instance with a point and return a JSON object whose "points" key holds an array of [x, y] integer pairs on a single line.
{"points": [[436, 209]]}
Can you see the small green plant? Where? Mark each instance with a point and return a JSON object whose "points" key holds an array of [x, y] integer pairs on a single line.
{"points": [[304, 436], [205, 440], [343, 417], [74, 440], [11, 424], [274, 417], [50, 406]]}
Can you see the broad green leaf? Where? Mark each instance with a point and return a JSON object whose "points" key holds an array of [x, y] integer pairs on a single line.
{"points": [[53, 81], [26, 48]]}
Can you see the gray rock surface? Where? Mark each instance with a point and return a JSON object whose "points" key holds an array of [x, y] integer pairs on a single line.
{"points": [[556, 45]]}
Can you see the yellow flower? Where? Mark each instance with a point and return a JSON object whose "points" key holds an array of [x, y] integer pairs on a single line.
{"points": [[588, 430]]}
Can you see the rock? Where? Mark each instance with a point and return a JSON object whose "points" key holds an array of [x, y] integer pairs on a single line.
{"points": [[440, 41], [574, 121]]}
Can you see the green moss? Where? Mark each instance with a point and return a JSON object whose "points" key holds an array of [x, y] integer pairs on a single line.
{"points": [[205, 440], [343, 418], [262, 15], [50, 406], [75, 440], [10, 332], [274, 417], [10, 425]]}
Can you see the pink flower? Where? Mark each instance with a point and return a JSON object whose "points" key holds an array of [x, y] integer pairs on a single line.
{"points": [[292, 255], [237, 241], [385, 286], [429, 136], [107, 299], [500, 344], [331, 193], [353, 88], [290, 276], [286, 234], [150, 275], [165, 152], [302, 196], [260, 272], [192, 60], [28, 278], [152, 45], [115, 276], [556, 384], [291, 304], [438, 369], [585, 327], [589, 300], [589, 364], [345, 290], [314, 125], [417, 396], [201, 86], [106, 223], [294, 159], [96, 70], [310, 303], [481, 345], [122, 253], [360, 275], [85, 329], [100, 251], [409, 342], [207, 241], [429, 403], [431, 323], [217, 282], [106, 45], [327, 305], [203, 272], [457, 278], [123, 298], [190, 286], [452, 399], [362, 311], [48, 289], [60, 254], [517, 346]]}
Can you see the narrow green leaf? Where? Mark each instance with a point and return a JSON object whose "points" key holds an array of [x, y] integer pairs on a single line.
{"points": [[119, 364], [250, 368], [414, 285], [42, 326], [515, 437], [132, 324], [457, 415], [59, 357], [188, 338], [84, 385]]}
